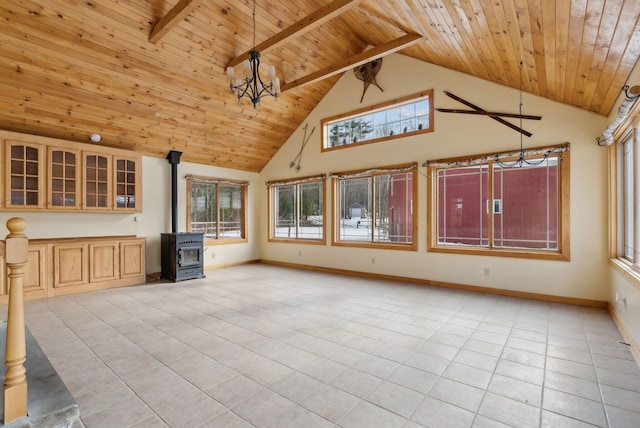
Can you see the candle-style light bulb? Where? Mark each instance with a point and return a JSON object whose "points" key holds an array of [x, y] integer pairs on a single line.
{"points": [[247, 69]]}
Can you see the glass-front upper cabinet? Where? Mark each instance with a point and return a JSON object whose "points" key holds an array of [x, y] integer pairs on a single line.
{"points": [[63, 178], [23, 175], [48, 174], [97, 189], [126, 183]]}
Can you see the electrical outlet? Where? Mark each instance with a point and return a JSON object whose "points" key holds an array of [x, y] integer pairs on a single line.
{"points": [[373, 260], [213, 255], [300, 253], [486, 271], [137, 218]]}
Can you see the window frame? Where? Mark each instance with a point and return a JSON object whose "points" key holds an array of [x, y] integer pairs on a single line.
{"points": [[244, 185], [628, 130], [271, 185], [326, 122], [371, 173], [563, 251]]}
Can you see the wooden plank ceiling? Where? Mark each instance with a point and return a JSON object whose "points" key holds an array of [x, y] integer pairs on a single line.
{"points": [[72, 68]]}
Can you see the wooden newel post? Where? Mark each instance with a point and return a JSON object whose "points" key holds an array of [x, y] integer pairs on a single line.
{"points": [[15, 384]]}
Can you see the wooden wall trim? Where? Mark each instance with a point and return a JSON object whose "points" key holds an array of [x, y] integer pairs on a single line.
{"points": [[474, 288], [633, 346]]}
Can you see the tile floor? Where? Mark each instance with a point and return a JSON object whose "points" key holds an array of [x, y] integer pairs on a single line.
{"points": [[267, 346]]}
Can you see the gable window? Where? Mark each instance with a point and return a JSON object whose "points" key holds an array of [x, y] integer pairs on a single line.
{"points": [[296, 210], [217, 208], [481, 206], [402, 117], [375, 208]]}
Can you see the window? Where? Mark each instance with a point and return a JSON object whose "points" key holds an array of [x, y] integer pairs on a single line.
{"points": [[399, 118], [296, 209], [626, 228], [217, 208], [527, 215], [376, 207]]}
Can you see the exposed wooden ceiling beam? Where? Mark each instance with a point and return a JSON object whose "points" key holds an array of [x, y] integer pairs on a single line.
{"points": [[317, 18], [171, 19], [359, 59]]}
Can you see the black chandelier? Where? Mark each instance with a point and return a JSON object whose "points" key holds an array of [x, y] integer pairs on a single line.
{"points": [[252, 86], [522, 158]]}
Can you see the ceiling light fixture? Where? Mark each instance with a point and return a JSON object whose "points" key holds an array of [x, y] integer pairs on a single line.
{"points": [[95, 138], [252, 86], [522, 159]]}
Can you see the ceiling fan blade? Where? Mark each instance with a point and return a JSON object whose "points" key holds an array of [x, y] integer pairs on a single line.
{"points": [[482, 111], [490, 113]]}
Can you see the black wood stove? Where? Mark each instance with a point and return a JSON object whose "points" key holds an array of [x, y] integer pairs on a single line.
{"points": [[182, 254]]}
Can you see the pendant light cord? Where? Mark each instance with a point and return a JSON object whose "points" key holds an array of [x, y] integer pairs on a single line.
{"points": [[521, 62]]}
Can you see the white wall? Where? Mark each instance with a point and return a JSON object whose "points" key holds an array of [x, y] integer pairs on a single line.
{"points": [[585, 276], [155, 218], [628, 291]]}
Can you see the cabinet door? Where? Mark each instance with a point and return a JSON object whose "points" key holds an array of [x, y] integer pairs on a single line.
{"points": [[127, 186], [132, 262], [97, 181], [104, 261], [24, 181], [63, 178], [70, 265]]}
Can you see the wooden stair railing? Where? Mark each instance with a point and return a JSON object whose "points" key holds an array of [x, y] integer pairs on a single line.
{"points": [[15, 384]]}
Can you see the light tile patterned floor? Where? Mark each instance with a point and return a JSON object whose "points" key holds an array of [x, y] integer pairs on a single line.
{"points": [[267, 346]]}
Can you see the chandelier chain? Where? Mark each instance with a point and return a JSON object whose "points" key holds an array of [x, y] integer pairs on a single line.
{"points": [[254, 24]]}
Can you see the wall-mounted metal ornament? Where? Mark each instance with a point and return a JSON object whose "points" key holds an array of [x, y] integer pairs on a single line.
{"points": [[305, 139], [367, 73]]}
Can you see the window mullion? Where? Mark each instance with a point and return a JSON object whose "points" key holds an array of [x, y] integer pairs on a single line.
{"points": [[296, 212], [217, 187], [634, 203], [490, 197]]}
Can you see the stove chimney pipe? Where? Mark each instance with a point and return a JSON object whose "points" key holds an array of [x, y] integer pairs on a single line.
{"points": [[174, 159]]}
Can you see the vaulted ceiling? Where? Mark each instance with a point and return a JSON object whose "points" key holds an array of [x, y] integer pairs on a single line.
{"points": [[70, 68]]}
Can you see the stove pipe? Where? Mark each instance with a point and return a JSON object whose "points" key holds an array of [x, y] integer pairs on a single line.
{"points": [[174, 159]]}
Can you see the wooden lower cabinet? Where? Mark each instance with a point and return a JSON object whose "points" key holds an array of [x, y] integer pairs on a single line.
{"points": [[63, 266]]}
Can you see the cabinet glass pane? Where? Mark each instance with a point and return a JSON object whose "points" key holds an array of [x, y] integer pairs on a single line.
{"points": [[17, 182], [32, 154], [17, 152], [32, 168], [57, 171], [17, 197], [56, 156], [17, 167], [32, 198], [57, 185], [32, 183]]}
